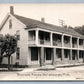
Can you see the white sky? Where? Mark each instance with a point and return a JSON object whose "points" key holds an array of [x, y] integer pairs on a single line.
{"points": [[72, 14]]}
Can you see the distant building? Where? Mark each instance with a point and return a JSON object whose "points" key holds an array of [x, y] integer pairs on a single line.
{"points": [[40, 43]]}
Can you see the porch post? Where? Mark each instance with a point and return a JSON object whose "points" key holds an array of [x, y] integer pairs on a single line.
{"points": [[71, 41], [83, 56], [70, 54], [71, 48], [83, 43], [78, 55], [36, 36], [62, 54], [0, 51], [78, 48], [78, 42], [51, 39], [62, 40], [42, 56], [54, 56]]}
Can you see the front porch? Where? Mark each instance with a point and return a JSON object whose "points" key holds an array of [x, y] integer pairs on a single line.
{"points": [[52, 56]]}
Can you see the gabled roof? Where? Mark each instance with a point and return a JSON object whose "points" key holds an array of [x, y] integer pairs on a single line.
{"points": [[31, 23], [4, 21]]}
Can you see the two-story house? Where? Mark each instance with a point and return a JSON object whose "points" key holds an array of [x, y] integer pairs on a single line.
{"points": [[40, 43]]}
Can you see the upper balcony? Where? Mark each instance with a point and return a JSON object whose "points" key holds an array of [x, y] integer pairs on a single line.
{"points": [[57, 40], [32, 37], [40, 37], [67, 41], [44, 38], [81, 43], [74, 43]]}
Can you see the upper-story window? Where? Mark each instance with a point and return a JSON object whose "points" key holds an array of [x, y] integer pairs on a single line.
{"points": [[32, 35], [80, 41], [18, 34], [10, 23]]}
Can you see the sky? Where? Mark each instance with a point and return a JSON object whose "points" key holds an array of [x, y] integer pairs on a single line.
{"points": [[71, 14]]}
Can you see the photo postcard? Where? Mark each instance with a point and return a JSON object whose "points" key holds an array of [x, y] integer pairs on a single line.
{"points": [[41, 42]]}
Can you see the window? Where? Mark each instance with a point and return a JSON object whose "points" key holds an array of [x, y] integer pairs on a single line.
{"points": [[34, 54], [48, 54], [66, 53], [80, 42], [10, 24], [58, 52], [80, 54], [74, 54], [18, 53], [18, 34]]}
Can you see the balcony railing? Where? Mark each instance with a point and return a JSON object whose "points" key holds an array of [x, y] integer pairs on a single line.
{"points": [[81, 46], [44, 42], [55, 43], [66, 44], [74, 45], [31, 42]]}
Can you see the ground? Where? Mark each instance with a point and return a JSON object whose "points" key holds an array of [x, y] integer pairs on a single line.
{"points": [[68, 73]]}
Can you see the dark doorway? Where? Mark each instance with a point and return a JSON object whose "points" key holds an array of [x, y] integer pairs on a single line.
{"points": [[74, 54], [48, 54], [34, 54]]}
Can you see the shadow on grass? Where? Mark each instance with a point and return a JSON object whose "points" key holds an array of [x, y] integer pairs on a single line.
{"points": [[46, 69], [10, 70]]}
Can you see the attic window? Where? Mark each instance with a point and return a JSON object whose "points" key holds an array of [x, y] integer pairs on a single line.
{"points": [[10, 24]]}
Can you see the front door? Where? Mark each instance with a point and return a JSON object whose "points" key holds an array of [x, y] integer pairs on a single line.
{"points": [[34, 55], [48, 56]]}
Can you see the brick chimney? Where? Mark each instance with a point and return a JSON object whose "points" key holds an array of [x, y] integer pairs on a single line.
{"points": [[42, 19], [11, 10]]}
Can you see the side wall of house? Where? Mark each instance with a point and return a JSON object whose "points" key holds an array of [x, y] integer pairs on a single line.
{"points": [[22, 43]]}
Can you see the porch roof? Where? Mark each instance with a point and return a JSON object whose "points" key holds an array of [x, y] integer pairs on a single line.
{"points": [[31, 23]]}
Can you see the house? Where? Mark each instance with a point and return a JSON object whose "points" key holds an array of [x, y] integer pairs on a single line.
{"points": [[40, 43]]}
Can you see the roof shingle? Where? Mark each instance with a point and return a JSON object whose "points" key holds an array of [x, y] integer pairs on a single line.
{"points": [[35, 23]]}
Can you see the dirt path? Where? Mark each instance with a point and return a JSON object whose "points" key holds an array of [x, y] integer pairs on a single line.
{"points": [[71, 73]]}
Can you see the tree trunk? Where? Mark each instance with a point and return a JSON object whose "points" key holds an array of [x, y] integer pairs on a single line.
{"points": [[9, 63]]}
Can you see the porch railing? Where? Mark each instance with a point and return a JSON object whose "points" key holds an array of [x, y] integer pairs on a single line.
{"points": [[74, 45], [31, 41], [66, 44], [55, 43], [81, 46], [44, 42]]}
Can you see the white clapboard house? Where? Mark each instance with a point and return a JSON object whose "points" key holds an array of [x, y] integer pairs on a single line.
{"points": [[40, 43]]}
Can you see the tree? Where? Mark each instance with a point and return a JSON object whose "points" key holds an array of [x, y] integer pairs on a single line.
{"points": [[80, 29], [8, 45]]}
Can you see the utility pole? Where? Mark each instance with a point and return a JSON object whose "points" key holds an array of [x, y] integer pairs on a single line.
{"points": [[61, 22]]}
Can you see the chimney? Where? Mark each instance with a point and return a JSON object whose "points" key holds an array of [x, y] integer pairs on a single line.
{"points": [[42, 19], [11, 10]]}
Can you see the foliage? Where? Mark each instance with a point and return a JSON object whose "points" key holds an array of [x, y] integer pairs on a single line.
{"points": [[8, 46], [80, 29]]}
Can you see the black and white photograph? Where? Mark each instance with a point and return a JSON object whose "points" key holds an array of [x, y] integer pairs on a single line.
{"points": [[42, 42]]}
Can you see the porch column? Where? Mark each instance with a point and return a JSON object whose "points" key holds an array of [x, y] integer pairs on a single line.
{"points": [[36, 37], [54, 56], [78, 42], [71, 48], [70, 54], [0, 51], [51, 39], [71, 41], [83, 56], [83, 43], [42, 56], [78, 55], [62, 40], [62, 54]]}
